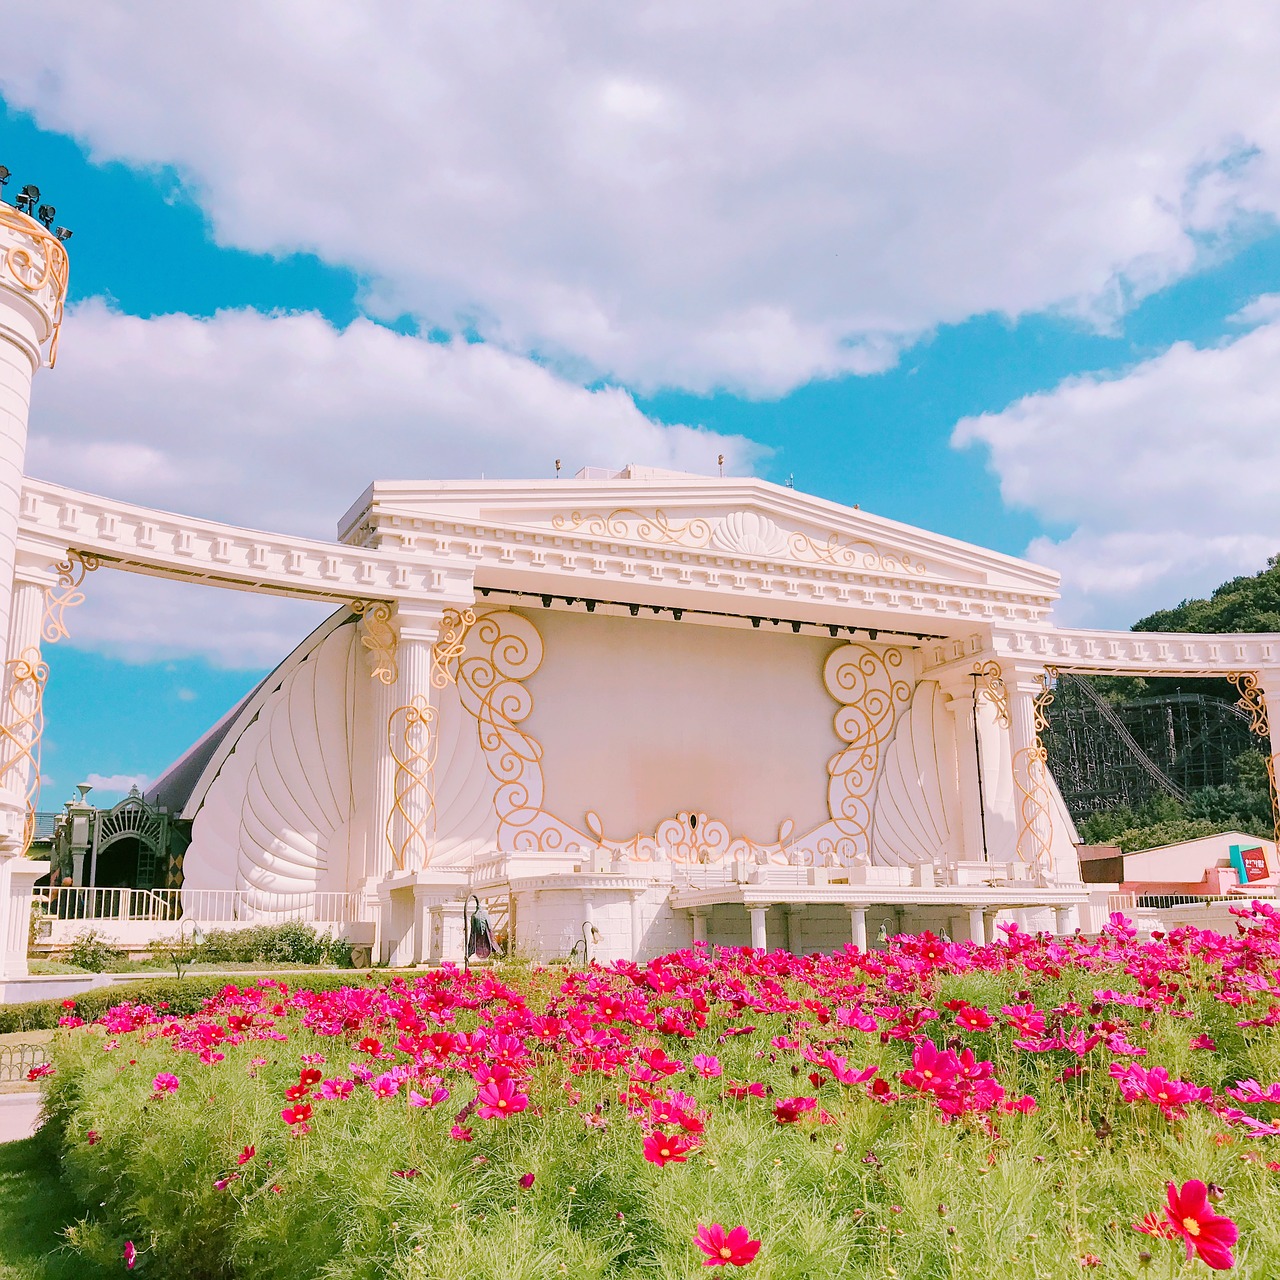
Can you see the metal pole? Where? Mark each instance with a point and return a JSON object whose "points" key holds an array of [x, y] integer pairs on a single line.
{"points": [[977, 751], [466, 930]]}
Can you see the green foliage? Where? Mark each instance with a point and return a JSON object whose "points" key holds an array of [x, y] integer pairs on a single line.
{"points": [[290, 943], [879, 1192], [179, 995], [1247, 603], [92, 952]]}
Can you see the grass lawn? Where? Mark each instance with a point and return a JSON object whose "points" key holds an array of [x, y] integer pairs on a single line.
{"points": [[35, 1206]]}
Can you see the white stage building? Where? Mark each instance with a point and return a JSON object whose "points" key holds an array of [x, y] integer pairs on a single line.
{"points": [[658, 706]]}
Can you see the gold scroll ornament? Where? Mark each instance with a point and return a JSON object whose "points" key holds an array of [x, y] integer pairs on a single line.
{"points": [[66, 593], [39, 264], [1254, 705], [378, 638], [411, 824], [1031, 777], [991, 688], [21, 731], [450, 646]]}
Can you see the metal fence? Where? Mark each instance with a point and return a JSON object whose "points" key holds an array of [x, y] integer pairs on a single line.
{"points": [[16, 1060], [200, 905]]}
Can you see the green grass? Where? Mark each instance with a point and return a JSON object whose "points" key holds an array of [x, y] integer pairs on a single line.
{"points": [[35, 1208]]}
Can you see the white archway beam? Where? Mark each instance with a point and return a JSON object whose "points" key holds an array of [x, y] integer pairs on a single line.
{"points": [[159, 543]]}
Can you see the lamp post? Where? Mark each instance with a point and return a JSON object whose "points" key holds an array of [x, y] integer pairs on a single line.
{"points": [[585, 943]]}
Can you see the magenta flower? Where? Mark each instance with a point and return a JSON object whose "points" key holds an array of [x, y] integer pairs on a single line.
{"points": [[526, 1181], [130, 1255], [165, 1082], [500, 1098], [438, 1095], [733, 1248]]}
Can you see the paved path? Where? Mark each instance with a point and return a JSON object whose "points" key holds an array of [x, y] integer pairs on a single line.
{"points": [[19, 1115]]}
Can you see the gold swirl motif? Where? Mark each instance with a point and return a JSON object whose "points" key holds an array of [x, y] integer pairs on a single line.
{"points": [[379, 638], [1031, 777], [411, 824], [1254, 705], [41, 264], [863, 681], [451, 645], [992, 689], [21, 731], [657, 527], [852, 554], [65, 593]]}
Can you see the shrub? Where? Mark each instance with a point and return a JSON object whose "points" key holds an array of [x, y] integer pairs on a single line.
{"points": [[179, 996], [92, 952], [292, 942]]}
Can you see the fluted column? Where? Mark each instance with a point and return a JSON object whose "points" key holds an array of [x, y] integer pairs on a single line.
{"points": [[1025, 684], [1268, 679], [400, 832], [962, 706]]}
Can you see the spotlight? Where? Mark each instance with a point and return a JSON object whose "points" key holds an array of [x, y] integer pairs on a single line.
{"points": [[62, 235], [635, 609], [571, 600], [795, 626], [871, 635], [677, 614], [591, 605], [755, 622], [484, 591], [834, 631], [657, 608], [5, 175], [546, 602], [25, 200], [46, 213]]}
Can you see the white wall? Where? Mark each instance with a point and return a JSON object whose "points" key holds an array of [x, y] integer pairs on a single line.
{"points": [[642, 718]]}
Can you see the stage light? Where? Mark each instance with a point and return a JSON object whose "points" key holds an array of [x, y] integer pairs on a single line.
{"points": [[5, 175], [677, 614], [62, 234], [795, 626], [591, 605], [484, 591], [46, 213], [834, 631], [755, 622], [871, 635], [635, 609], [27, 199], [546, 602]]}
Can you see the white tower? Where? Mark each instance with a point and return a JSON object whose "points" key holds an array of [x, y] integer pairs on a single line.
{"points": [[33, 290]]}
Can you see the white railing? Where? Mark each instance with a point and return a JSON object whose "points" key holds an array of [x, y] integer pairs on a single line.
{"points": [[212, 906], [1128, 903]]}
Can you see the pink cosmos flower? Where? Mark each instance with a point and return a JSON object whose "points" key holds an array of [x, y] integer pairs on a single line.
{"points": [[387, 1085], [298, 1115], [526, 1181], [246, 1155], [500, 1099], [663, 1148], [335, 1090], [438, 1095], [165, 1082], [732, 1248], [460, 1133], [130, 1255], [789, 1110], [707, 1065], [1190, 1217]]}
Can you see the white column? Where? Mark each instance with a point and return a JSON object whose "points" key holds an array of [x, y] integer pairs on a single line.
{"points": [[388, 833], [858, 921], [699, 925], [637, 925], [1062, 921], [418, 633], [977, 926], [1269, 686], [20, 698], [759, 938], [1031, 819], [795, 928], [30, 297], [962, 708]]}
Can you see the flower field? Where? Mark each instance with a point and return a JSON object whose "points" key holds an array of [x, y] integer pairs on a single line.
{"points": [[1031, 1108]]}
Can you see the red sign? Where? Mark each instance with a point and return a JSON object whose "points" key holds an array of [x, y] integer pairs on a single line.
{"points": [[1255, 864]]}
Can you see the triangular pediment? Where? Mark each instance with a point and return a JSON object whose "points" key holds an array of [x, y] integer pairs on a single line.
{"points": [[747, 522]]}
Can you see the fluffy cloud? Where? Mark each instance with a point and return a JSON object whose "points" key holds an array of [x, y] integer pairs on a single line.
{"points": [[116, 782], [1170, 474], [280, 423], [741, 192]]}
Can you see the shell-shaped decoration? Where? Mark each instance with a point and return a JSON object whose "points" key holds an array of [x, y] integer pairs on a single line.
{"points": [[747, 533]]}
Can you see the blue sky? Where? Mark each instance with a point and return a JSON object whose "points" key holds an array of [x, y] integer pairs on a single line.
{"points": [[1054, 365]]}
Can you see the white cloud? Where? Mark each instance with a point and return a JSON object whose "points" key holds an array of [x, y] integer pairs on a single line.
{"points": [[1170, 474], [117, 782], [740, 192], [280, 423]]}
